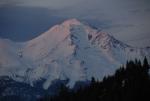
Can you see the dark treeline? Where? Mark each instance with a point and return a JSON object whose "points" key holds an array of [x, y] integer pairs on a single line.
{"points": [[129, 83]]}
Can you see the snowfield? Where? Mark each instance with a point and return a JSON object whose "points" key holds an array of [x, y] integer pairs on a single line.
{"points": [[71, 50]]}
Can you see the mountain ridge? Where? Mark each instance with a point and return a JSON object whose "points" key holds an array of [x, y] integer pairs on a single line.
{"points": [[71, 50]]}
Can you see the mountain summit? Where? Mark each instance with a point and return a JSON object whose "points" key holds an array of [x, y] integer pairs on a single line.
{"points": [[69, 51], [71, 22]]}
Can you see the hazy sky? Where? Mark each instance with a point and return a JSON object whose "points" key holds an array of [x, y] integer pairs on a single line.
{"points": [[127, 20]]}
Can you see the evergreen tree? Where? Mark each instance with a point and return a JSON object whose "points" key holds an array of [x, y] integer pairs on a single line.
{"points": [[127, 84], [146, 65]]}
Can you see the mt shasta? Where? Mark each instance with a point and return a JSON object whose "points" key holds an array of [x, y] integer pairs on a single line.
{"points": [[71, 50]]}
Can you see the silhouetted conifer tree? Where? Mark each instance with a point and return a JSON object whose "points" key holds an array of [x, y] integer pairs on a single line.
{"points": [[130, 83]]}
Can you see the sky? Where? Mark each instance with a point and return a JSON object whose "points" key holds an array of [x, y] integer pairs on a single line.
{"points": [[127, 20]]}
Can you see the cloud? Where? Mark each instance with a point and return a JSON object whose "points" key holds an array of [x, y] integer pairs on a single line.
{"points": [[8, 2], [124, 18], [55, 4]]}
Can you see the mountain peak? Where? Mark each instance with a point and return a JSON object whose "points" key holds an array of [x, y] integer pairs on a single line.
{"points": [[72, 21]]}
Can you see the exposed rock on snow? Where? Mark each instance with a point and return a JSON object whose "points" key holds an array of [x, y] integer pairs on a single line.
{"points": [[71, 50]]}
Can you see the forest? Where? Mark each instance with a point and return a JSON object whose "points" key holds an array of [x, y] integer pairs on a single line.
{"points": [[129, 83]]}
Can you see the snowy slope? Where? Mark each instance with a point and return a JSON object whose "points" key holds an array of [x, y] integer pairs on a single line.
{"points": [[71, 50]]}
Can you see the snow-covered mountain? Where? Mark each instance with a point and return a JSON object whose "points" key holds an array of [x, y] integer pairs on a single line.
{"points": [[71, 50]]}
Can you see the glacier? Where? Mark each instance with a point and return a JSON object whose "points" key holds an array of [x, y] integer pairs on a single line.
{"points": [[71, 50]]}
